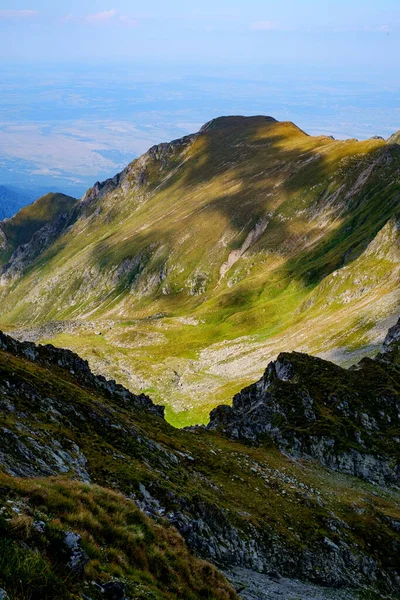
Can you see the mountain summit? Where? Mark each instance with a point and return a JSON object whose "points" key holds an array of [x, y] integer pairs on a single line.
{"points": [[395, 138], [209, 254], [236, 122]]}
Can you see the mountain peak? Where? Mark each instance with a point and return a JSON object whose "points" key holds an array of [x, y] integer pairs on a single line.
{"points": [[395, 138], [29, 221], [235, 121]]}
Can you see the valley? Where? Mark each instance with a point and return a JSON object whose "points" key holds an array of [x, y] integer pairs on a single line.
{"points": [[186, 273]]}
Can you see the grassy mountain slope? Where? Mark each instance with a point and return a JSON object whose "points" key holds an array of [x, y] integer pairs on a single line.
{"points": [[116, 541], [68, 438], [30, 219], [207, 255]]}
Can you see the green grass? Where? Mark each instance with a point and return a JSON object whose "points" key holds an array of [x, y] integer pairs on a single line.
{"points": [[159, 249], [20, 228], [26, 574], [119, 540], [256, 490]]}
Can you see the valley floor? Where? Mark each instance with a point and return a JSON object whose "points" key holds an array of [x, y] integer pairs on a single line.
{"points": [[258, 586]]}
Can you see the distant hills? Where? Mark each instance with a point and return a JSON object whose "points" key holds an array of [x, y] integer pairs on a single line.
{"points": [[208, 255]]}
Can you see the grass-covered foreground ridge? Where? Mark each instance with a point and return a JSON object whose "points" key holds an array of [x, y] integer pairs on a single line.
{"points": [[188, 271], [60, 538], [82, 461]]}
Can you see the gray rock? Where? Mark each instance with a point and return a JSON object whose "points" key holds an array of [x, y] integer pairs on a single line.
{"points": [[114, 590], [259, 586], [40, 526], [77, 558], [393, 336]]}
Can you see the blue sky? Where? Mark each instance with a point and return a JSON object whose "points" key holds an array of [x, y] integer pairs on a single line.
{"points": [[85, 86], [332, 32]]}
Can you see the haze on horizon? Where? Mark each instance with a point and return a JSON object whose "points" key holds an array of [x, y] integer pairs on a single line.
{"points": [[87, 87]]}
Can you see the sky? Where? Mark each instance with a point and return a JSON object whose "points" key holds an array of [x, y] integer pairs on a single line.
{"points": [[336, 32], [85, 86]]}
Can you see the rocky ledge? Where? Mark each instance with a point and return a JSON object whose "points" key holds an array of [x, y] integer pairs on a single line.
{"points": [[347, 419], [70, 362]]}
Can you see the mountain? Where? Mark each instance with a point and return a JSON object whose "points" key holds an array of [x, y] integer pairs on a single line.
{"points": [[208, 255], [31, 224], [12, 200], [395, 138], [97, 488], [349, 420]]}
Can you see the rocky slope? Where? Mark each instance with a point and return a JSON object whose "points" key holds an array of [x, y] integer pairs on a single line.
{"points": [[208, 254], [348, 420], [245, 507]]}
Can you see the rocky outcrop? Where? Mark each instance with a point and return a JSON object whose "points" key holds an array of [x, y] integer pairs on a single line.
{"points": [[348, 420], [31, 453], [391, 345], [208, 530], [75, 557], [3, 238], [77, 367]]}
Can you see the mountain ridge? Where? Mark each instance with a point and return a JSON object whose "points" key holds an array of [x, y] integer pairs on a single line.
{"points": [[19, 230], [244, 507], [304, 231]]}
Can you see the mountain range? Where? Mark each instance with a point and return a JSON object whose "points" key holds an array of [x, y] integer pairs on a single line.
{"points": [[247, 260], [186, 272]]}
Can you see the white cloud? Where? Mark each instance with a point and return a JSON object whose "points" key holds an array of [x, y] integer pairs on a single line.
{"points": [[17, 14], [102, 17], [265, 26], [125, 20]]}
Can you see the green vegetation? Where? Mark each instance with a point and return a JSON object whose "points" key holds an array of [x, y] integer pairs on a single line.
{"points": [[19, 229], [120, 543], [216, 253], [51, 422]]}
